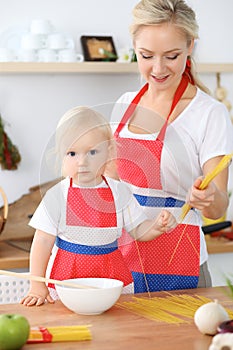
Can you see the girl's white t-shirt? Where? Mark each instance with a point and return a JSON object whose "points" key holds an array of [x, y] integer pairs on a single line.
{"points": [[50, 215]]}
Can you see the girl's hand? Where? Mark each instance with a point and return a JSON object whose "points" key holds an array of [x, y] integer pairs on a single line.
{"points": [[151, 229], [37, 296], [166, 221], [201, 199]]}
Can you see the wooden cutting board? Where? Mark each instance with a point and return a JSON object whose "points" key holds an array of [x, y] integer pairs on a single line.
{"points": [[19, 213]]}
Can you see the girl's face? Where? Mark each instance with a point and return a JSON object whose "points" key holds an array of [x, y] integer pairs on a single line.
{"points": [[85, 160], [162, 52]]}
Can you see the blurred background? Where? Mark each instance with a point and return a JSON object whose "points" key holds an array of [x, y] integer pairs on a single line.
{"points": [[31, 104]]}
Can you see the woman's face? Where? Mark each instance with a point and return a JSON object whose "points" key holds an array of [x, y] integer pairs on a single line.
{"points": [[162, 52]]}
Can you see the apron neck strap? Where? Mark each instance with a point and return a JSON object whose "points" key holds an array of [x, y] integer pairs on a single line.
{"points": [[129, 111], [178, 94], [104, 179]]}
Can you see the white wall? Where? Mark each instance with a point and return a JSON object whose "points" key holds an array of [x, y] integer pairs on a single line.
{"points": [[220, 267], [32, 104]]}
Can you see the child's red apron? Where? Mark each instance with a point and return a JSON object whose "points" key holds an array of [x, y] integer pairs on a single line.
{"points": [[90, 207], [139, 163]]}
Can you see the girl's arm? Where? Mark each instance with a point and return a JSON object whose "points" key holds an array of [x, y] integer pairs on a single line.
{"points": [[39, 256], [213, 201], [150, 229]]}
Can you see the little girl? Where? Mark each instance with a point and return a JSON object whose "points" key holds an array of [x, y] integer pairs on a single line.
{"points": [[80, 219]]}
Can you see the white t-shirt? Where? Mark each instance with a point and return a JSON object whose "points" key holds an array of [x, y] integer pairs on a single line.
{"points": [[50, 215], [202, 131]]}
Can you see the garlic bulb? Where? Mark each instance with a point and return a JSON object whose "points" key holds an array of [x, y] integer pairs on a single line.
{"points": [[222, 341], [208, 317]]}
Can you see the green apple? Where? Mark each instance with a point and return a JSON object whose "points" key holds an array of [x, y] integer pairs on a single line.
{"points": [[14, 331]]}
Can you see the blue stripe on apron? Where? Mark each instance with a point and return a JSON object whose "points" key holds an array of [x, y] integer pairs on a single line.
{"points": [[173, 282], [86, 249], [147, 201]]}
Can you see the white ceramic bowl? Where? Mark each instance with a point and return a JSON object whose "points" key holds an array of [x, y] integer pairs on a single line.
{"points": [[90, 301]]}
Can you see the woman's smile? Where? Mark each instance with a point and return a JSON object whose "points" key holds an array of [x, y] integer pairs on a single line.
{"points": [[158, 79]]}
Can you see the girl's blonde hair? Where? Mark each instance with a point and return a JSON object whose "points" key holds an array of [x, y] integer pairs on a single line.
{"points": [[177, 12], [78, 121]]}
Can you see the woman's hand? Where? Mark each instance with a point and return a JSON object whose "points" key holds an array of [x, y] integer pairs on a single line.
{"points": [[213, 200], [37, 296], [201, 199]]}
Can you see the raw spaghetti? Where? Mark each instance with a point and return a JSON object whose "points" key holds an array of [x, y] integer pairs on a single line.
{"points": [[225, 161], [175, 309]]}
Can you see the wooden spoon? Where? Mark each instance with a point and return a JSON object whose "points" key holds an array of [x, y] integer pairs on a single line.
{"points": [[43, 279]]}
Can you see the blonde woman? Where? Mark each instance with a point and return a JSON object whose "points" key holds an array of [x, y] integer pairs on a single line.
{"points": [[170, 134]]}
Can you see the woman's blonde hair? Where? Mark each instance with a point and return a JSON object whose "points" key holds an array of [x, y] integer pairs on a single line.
{"points": [[177, 12]]}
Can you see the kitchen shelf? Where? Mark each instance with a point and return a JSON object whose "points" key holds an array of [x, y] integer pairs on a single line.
{"points": [[60, 67], [95, 68], [214, 67]]}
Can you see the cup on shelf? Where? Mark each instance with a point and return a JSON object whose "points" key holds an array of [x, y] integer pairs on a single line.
{"points": [[47, 55], [28, 56], [41, 26], [33, 41], [69, 55], [58, 41], [7, 55]]}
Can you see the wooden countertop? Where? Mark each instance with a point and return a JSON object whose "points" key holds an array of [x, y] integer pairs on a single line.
{"points": [[119, 329], [217, 245]]}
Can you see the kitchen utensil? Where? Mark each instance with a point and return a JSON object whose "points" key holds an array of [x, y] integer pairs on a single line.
{"points": [[27, 55], [90, 301], [69, 55], [47, 55], [67, 283], [31, 41], [59, 41], [209, 229], [7, 55], [41, 26]]}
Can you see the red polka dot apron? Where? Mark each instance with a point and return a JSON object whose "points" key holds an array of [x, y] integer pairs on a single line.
{"points": [[150, 262], [94, 209]]}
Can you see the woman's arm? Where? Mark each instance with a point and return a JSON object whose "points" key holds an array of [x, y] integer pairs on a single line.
{"points": [[39, 257], [213, 201]]}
